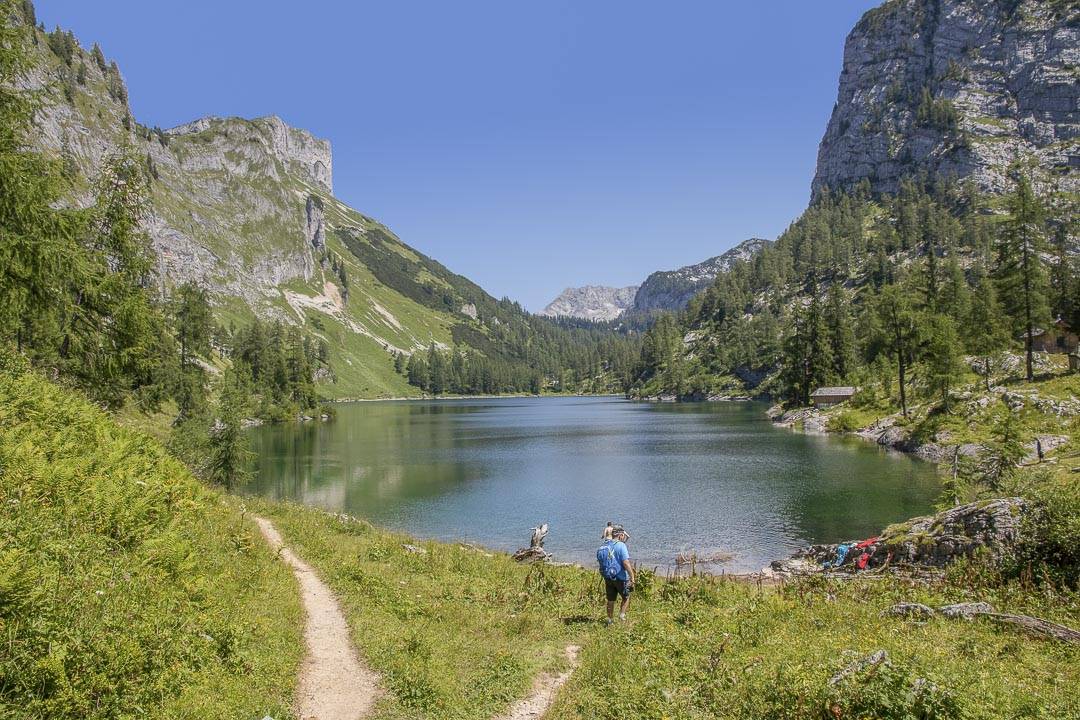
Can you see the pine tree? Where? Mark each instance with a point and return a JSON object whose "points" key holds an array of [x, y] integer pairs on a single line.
{"points": [[987, 336], [899, 328], [192, 320], [436, 371], [36, 252], [1020, 269], [1064, 280], [99, 58], [229, 457], [942, 357], [841, 336]]}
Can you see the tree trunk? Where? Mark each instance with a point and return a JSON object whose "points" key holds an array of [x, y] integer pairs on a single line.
{"points": [[1028, 341]]}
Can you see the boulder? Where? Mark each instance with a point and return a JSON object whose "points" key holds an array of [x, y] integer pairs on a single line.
{"points": [[937, 540]]}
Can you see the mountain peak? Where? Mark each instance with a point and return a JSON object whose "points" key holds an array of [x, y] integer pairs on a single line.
{"points": [[591, 302], [958, 88]]}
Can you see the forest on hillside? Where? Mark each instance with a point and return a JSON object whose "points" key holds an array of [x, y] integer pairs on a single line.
{"points": [[863, 290]]}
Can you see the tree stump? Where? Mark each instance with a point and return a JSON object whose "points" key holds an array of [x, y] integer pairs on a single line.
{"points": [[535, 552]]}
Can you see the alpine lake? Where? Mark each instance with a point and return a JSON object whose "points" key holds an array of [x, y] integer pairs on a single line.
{"points": [[715, 479]]}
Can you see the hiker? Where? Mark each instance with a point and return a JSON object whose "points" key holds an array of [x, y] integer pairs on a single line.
{"points": [[615, 567]]}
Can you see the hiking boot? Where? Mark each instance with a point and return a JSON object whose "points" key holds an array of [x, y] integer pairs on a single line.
{"points": [[622, 617], [608, 622]]}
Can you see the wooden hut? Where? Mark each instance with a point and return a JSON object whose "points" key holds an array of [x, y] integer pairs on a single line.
{"points": [[829, 396], [1058, 337]]}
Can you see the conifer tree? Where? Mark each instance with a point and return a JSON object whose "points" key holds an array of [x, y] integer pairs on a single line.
{"points": [[987, 335], [899, 333], [1020, 270], [99, 58], [38, 240], [192, 320], [840, 332], [942, 357]]}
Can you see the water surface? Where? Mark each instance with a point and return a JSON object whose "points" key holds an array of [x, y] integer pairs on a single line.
{"points": [[708, 477]]}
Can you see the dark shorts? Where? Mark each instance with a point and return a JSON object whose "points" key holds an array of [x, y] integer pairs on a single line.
{"points": [[616, 588]]}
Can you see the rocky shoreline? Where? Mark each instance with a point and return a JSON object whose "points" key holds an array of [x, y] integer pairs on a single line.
{"points": [[993, 528]]}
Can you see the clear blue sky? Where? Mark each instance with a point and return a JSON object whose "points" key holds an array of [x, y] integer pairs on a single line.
{"points": [[528, 146]]}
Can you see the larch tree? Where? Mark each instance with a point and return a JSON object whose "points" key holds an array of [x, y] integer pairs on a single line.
{"points": [[1020, 270], [987, 335], [899, 333]]}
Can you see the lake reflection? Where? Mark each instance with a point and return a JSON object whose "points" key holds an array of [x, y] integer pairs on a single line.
{"points": [[710, 477]]}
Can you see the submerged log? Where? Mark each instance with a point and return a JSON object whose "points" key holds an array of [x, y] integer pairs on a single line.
{"points": [[535, 552]]}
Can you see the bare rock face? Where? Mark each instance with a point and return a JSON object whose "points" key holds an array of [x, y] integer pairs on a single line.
{"points": [[591, 302], [316, 233], [297, 150], [937, 540], [235, 204], [956, 87], [673, 289]]}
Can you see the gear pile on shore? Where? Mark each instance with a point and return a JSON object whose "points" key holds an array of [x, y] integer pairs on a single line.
{"points": [[933, 541]]}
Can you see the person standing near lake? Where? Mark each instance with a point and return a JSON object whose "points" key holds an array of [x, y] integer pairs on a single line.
{"points": [[614, 560]]}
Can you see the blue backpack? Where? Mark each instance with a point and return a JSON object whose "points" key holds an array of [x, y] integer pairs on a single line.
{"points": [[610, 567]]}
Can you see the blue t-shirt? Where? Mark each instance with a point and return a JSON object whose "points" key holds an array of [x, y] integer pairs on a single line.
{"points": [[621, 554]]}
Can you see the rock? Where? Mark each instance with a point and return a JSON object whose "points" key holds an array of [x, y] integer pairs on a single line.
{"points": [[672, 289], [927, 542], [591, 302], [314, 211], [1001, 77], [874, 659], [893, 437], [933, 452], [469, 311], [413, 549], [965, 610], [937, 540], [917, 611], [1045, 444]]}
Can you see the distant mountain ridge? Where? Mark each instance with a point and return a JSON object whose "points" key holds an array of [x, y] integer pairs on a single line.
{"points": [[591, 302], [245, 208], [673, 289]]}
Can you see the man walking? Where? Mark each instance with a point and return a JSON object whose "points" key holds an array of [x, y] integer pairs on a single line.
{"points": [[614, 559]]}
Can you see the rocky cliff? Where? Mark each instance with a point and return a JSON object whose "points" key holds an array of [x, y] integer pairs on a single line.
{"points": [[672, 289], [956, 87], [592, 302], [246, 209]]}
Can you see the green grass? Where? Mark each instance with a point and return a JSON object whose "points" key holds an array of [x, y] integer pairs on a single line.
{"points": [[455, 633], [459, 633], [128, 589]]}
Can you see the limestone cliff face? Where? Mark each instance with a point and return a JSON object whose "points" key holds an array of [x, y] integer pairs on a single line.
{"points": [[591, 302], [672, 289], [956, 87], [235, 204]]}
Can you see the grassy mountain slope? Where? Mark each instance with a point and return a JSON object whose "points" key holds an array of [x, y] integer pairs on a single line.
{"points": [[126, 587], [246, 209]]}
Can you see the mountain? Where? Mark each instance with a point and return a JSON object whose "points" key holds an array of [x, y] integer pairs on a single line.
{"points": [[672, 289], [889, 278], [246, 209], [592, 302], [956, 87]]}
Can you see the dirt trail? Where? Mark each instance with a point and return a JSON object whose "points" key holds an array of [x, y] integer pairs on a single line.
{"points": [[333, 684], [543, 692]]}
